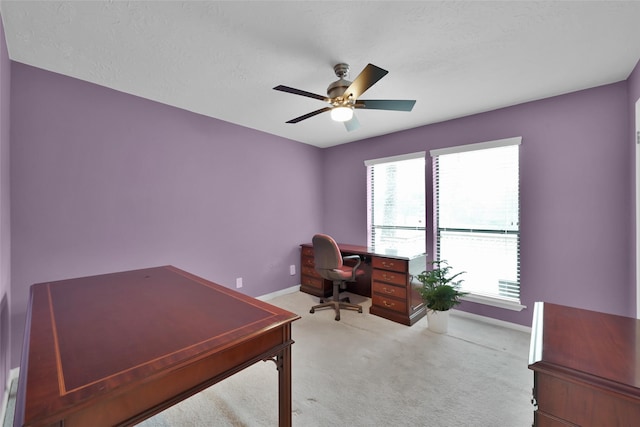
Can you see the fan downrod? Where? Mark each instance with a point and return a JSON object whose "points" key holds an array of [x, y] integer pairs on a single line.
{"points": [[341, 70]]}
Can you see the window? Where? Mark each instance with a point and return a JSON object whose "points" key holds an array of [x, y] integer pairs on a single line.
{"points": [[396, 203], [477, 215]]}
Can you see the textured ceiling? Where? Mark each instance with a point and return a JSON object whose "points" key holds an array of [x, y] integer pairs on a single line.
{"points": [[222, 59]]}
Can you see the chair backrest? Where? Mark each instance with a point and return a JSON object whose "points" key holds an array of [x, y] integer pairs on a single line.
{"points": [[326, 252]]}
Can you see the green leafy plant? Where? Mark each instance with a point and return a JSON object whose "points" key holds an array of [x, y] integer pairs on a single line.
{"points": [[439, 289]]}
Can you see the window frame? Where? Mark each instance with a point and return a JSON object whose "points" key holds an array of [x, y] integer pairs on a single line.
{"points": [[475, 297], [370, 208]]}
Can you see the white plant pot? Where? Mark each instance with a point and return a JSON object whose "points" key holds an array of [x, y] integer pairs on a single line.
{"points": [[438, 321]]}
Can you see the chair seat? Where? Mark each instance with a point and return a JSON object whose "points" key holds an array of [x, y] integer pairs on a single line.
{"points": [[341, 273]]}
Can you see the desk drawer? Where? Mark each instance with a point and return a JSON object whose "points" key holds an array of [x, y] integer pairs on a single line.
{"points": [[389, 264], [540, 419], [394, 277], [389, 303], [389, 290], [306, 251], [309, 271], [307, 261], [584, 404], [314, 282]]}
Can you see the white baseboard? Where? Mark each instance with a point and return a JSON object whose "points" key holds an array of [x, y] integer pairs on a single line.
{"points": [[492, 321], [281, 292], [13, 375]]}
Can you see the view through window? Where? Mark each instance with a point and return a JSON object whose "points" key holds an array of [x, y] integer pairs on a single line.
{"points": [[477, 215], [396, 202]]}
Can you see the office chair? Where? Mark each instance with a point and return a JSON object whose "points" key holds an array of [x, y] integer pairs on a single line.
{"points": [[329, 264]]}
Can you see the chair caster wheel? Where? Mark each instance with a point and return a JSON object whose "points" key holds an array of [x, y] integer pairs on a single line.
{"points": [[312, 311], [337, 318], [360, 310]]}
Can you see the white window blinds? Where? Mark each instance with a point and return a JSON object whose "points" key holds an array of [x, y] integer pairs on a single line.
{"points": [[396, 203], [477, 215]]}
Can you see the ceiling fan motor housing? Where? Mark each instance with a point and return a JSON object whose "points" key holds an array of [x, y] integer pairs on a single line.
{"points": [[338, 87]]}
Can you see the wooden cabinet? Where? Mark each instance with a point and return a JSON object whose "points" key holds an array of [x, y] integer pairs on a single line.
{"points": [[586, 368], [387, 280], [310, 280], [392, 293]]}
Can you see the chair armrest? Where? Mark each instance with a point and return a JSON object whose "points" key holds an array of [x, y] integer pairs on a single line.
{"points": [[348, 257]]}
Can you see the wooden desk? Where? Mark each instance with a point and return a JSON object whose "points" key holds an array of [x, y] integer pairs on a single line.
{"points": [[118, 348], [586, 368], [387, 280]]}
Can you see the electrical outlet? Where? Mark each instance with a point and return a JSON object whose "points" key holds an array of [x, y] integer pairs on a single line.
{"points": [[239, 282], [292, 270]]}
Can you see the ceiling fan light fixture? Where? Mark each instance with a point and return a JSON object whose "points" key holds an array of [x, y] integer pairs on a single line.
{"points": [[341, 114]]}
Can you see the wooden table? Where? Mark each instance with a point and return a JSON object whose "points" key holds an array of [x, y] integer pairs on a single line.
{"points": [[586, 368], [118, 348]]}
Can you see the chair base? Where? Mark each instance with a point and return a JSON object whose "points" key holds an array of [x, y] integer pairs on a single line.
{"points": [[343, 299], [336, 303]]}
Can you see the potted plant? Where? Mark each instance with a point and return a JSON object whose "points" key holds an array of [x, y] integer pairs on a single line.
{"points": [[440, 292]]}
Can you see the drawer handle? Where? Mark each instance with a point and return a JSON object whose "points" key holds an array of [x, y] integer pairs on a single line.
{"points": [[389, 277], [389, 291], [387, 304], [387, 264]]}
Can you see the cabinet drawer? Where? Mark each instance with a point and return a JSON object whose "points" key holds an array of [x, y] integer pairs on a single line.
{"points": [[307, 261], [540, 419], [309, 271], [389, 303], [307, 251], [314, 282], [582, 404], [394, 277], [389, 264], [390, 290]]}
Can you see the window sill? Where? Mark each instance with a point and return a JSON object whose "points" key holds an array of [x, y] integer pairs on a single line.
{"points": [[495, 302]]}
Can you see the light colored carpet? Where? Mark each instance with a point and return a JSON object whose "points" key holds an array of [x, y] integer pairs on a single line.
{"points": [[369, 371], [11, 404]]}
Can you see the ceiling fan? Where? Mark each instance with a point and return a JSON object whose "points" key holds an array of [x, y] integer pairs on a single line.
{"points": [[342, 96]]}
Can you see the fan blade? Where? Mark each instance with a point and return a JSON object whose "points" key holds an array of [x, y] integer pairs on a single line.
{"points": [[386, 104], [311, 114], [352, 124], [300, 92], [367, 78]]}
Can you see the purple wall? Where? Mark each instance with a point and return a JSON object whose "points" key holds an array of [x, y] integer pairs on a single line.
{"points": [[103, 181], [5, 228], [575, 184]]}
